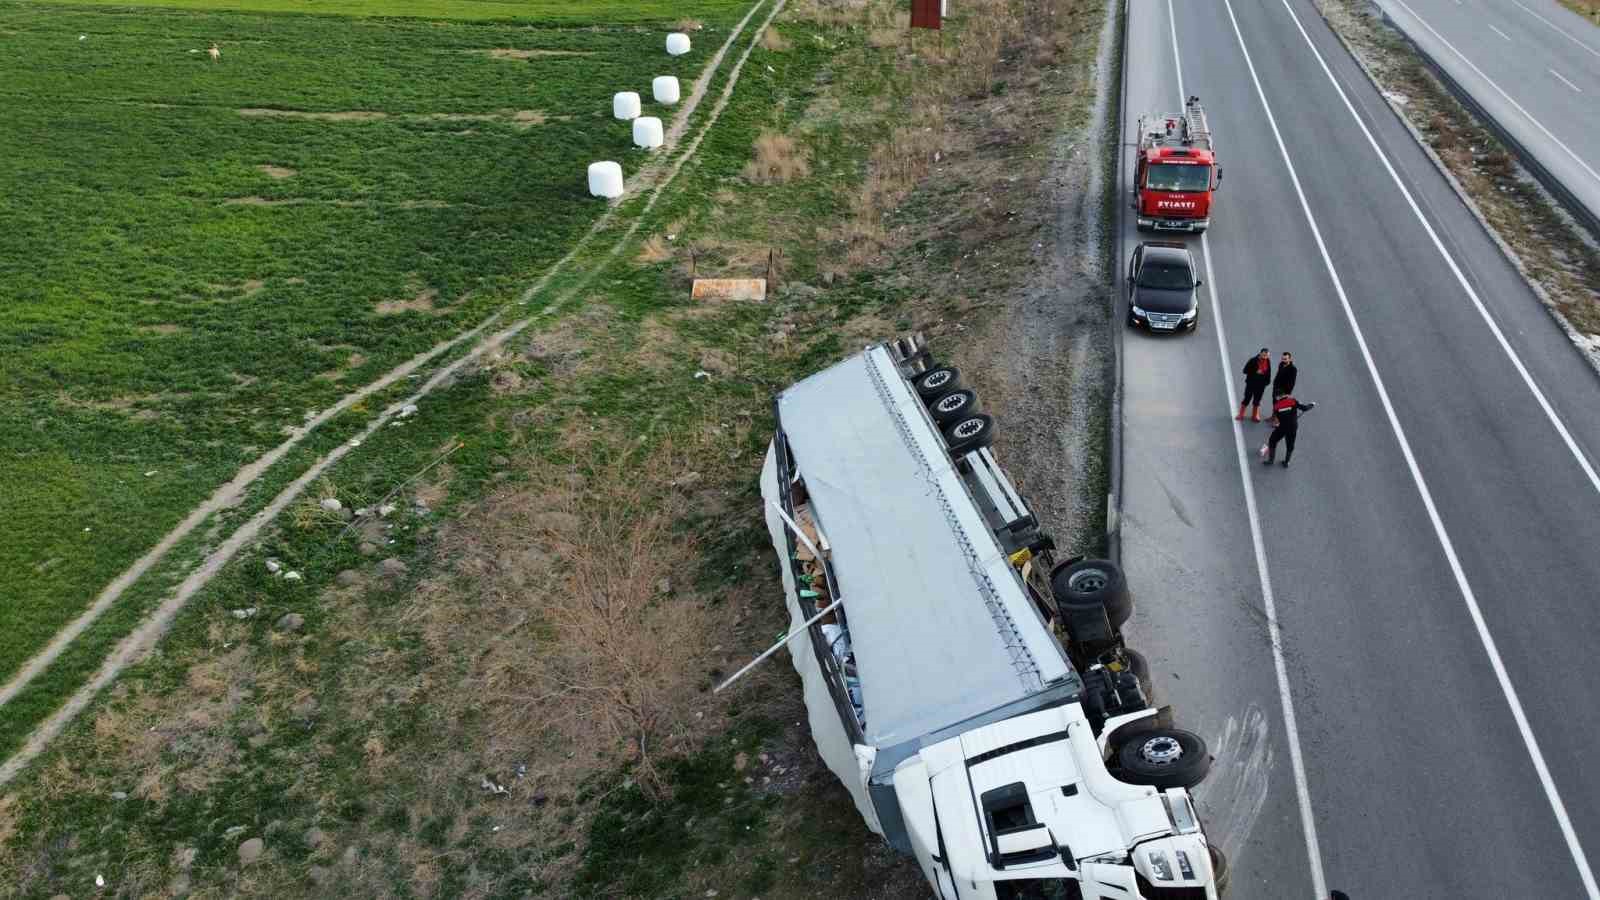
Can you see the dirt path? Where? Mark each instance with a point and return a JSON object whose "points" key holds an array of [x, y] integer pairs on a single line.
{"points": [[655, 178], [1052, 350]]}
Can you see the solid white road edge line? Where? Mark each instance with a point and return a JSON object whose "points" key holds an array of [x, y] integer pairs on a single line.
{"points": [[1530, 743], [1536, 123], [1558, 28], [1461, 278], [1302, 789]]}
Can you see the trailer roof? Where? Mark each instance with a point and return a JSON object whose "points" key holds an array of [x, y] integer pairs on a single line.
{"points": [[941, 628]]}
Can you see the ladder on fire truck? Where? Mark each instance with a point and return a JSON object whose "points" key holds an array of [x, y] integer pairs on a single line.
{"points": [[1189, 129]]}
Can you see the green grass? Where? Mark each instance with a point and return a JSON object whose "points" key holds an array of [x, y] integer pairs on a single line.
{"points": [[150, 325], [566, 12]]}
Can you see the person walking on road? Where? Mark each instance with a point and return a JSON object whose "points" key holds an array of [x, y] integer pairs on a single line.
{"points": [[1283, 382], [1257, 373], [1286, 412]]}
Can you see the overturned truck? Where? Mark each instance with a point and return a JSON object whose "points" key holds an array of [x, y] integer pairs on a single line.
{"points": [[1010, 761]]}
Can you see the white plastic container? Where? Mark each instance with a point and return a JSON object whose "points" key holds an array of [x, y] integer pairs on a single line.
{"points": [[647, 132], [677, 44], [665, 89], [625, 105], [605, 180]]}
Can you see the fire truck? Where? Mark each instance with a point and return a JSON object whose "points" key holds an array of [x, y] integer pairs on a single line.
{"points": [[1175, 171]]}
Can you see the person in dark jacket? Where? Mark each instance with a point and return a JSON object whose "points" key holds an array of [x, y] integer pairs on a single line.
{"points": [[1286, 412], [1283, 382], [1257, 372]]}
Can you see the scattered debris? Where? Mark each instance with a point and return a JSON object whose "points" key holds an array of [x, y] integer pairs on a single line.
{"points": [[99, 880], [291, 576], [119, 795], [332, 504], [407, 411], [234, 832], [386, 509], [242, 614], [702, 374], [291, 622], [274, 566], [493, 788], [150, 473]]}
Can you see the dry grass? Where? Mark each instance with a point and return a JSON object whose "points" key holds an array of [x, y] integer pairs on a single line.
{"points": [[656, 249], [422, 302], [1587, 8], [779, 158], [772, 40]]}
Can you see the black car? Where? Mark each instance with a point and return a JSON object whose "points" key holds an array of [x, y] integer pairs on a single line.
{"points": [[1161, 287]]}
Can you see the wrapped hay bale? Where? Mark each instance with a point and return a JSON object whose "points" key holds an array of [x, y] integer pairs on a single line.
{"points": [[665, 89], [625, 105], [677, 44], [647, 132], [605, 179]]}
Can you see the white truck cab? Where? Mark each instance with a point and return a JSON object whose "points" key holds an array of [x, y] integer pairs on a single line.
{"points": [[972, 694]]}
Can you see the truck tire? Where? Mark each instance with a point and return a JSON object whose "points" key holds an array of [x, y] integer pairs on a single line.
{"points": [[1093, 581], [953, 406], [1219, 868], [1164, 758], [937, 381], [968, 433]]}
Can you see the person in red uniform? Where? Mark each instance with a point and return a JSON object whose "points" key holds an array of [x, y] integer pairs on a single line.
{"points": [[1257, 374], [1286, 412]]}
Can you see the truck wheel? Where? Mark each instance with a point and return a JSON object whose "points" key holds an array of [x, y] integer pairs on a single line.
{"points": [[1164, 758], [936, 381], [968, 433], [1093, 582], [953, 406], [1219, 868]]}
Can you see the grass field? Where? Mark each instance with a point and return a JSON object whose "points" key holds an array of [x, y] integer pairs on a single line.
{"points": [[196, 255], [608, 453]]}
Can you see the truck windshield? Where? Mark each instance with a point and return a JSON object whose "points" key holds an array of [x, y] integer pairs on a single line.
{"points": [[1034, 889], [1167, 177]]}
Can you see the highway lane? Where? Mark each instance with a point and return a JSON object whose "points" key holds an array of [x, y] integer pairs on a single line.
{"points": [[1415, 765], [1533, 65]]}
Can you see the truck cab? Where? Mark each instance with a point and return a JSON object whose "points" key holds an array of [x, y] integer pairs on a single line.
{"points": [[1026, 808], [1175, 171]]}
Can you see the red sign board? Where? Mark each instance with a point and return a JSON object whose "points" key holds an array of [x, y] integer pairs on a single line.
{"points": [[925, 14]]}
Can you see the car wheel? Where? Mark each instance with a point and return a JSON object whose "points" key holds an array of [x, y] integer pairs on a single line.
{"points": [[953, 406], [936, 381], [1093, 582], [1164, 758], [968, 433]]}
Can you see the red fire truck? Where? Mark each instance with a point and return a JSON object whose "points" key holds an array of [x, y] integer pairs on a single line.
{"points": [[1175, 171]]}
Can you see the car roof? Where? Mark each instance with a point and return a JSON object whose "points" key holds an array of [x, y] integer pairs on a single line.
{"points": [[1167, 251]]}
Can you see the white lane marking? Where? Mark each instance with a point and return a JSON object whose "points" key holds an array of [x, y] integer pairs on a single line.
{"points": [[1302, 788], [1530, 743], [1564, 81], [1558, 28], [1529, 116], [1499, 32]]}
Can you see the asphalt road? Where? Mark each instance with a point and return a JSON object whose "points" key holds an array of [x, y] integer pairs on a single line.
{"points": [[1533, 65], [1430, 555]]}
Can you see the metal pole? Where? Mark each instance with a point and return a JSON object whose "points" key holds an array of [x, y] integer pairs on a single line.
{"points": [[801, 534], [774, 648]]}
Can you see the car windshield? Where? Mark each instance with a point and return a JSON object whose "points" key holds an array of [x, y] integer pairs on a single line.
{"points": [[1033, 889], [1167, 177], [1165, 276]]}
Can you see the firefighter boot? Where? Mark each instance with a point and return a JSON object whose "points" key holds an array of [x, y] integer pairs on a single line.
{"points": [[1240, 416]]}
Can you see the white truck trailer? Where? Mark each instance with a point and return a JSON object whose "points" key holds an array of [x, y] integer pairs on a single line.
{"points": [[1010, 762]]}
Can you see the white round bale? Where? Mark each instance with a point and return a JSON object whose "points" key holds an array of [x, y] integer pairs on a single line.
{"points": [[605, 179], [677, 44], [647, 132], [665, 89], [625, 105]]}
